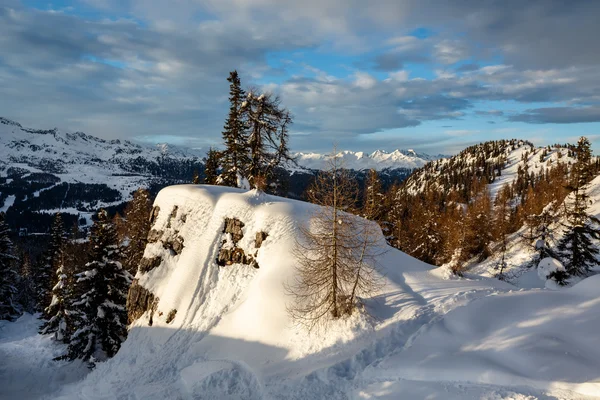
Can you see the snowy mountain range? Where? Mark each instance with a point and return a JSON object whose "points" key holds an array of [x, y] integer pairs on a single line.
{"points": [[359, 161], [47, 170]]}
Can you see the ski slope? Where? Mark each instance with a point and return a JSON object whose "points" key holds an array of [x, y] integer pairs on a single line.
{"points": [[429, 335]]}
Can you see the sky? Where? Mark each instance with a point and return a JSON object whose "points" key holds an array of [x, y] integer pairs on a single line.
{"points": [[431, 75]]}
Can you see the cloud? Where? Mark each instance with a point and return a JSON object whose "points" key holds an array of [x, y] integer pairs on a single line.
{"points": [[151, 68], [490, 113], [558, 115]]}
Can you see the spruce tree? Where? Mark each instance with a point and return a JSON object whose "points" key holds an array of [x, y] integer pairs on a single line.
{"points": [[235, 156], [137, 216], [52, 258], [26, 294], [59, 311], [100, 314], [211, 166], [8, 274], [576, 249]]}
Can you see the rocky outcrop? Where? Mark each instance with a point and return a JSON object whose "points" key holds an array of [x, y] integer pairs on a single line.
{"points": [[260, 238], [154, 236], [154, 214], [234, 227], [148, 264], [140, 300], [171, 316], [235, 254], [173, 243]]}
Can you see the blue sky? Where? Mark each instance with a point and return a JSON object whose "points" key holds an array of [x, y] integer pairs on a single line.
{"points": [[431, 75]]}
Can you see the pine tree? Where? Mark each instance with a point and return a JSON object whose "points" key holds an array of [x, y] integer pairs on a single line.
{"points": [[576, 249], [235, 156], [268, 137], [211, 166], [100, 314], [59, 311], [196, 177], [137, 216], [26, 293], [50, 262], [8, 274]]}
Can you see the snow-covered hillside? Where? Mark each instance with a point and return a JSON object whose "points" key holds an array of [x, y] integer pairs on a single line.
{"points": [[429, 335], [520, 251], [500, 160], [80, 158], [378, 160]]}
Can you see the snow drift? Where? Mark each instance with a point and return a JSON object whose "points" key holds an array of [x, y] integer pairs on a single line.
{"points": [[223, 331]]}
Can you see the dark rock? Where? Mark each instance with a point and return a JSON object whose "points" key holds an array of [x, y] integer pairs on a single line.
{"points": [[171, 316], [174, 212], [260, 238], [148, 264], [154, 236], [234, 227], [174, 243], [154, 214], [183, 218], [140, 300]]}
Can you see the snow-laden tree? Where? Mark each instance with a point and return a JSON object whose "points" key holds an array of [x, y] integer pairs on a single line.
{"points": [[576, 249], [135, 231], [51, 260], [59, 311], [100, 317], [8, 274], [234, 158]]}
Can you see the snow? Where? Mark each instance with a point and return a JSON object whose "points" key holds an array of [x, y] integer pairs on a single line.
{"points": [[547, 266], [10, 200], [27, 368], [429, 334]]}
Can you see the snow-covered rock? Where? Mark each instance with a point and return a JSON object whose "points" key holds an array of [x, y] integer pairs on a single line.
{"points": [[224, 332], [547, 266]]}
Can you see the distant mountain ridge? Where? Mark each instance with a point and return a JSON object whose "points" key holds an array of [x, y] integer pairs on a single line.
{"points": [[378, 160], [43, 171]]}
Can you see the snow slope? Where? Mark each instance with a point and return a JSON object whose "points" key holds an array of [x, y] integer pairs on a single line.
{"points": [[429, 335], [75, 157], [520, 253]]}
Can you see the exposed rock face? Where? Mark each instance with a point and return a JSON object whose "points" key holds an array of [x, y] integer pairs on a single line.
{"points": [[154, 236], [148, 264], [234, 226], [154, 214], [235, 254], [172, 215], [174, 243], [171, 316], [260, 238], [140, 300]]}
